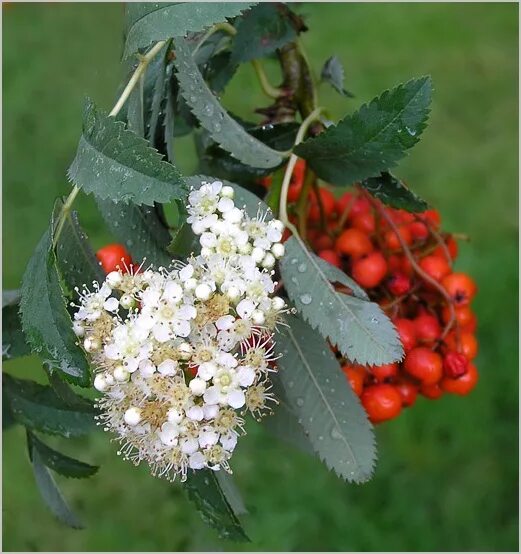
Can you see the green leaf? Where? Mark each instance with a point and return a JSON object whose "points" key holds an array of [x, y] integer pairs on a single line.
{"points": [[160, 21], [374, 138], [113, 162], [392, 192], [261, 31], [8, 419], [65, 392], [184, 242], [135, 110], [204, 490], [50, 492], [223, 129], [158, 93], [77, 262], [320, 395], [219, 71], [39, 408], [13, 340], [231, 492], [358, 327], [140, 229], [46, 323], [58, 462], [333, 73]]}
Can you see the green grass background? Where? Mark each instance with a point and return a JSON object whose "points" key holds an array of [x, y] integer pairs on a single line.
{"points": [[447, 476]]}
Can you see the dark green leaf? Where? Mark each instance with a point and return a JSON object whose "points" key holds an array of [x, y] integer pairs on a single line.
{"points": [[394, 193], [358, 327], [374, 138], [46, 323], [66, 393], [219, 71], [231, 492], [39, 408], [140, 229], [223, 129], [8, 419], [160, 21], [158, 94], [58, 462], [77, 262], [184, 242], [326, 405], [135, 110], [113, 162], [204, 490], [333, 73], [13, 340], [261, 31], [50, 492]]}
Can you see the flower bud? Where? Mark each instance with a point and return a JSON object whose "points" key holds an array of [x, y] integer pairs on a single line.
{"points": [[114, 279], [278, 250], [132, 416], [203, 291], [127, 302], [78, 328], [227, 192], [190, 283], [197, 386], [258, 254], [258, 317], [269, 261], [277, 303], [100, 383], [233, 293], [91, 344], [121, 374]]}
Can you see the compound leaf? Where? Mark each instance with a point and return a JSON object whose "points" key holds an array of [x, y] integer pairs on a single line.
{"points": [[113, 162], [374, 138], [394, 193], [329, 411], [357, 326]]}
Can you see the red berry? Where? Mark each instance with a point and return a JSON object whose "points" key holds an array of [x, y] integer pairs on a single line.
{"points": [[392, 240], [460, 287], [424, 364], [470, 327], [436, 267], [299, 170], [360, 206], [408, 391], [433, 392], [113, 257], [266, 181], [381, 402], [322, 242], [327, 200], [418, 230], [331, 257], [294, 190], [398, 284], [432, 217], [365, 222], [356, 377], [407, 331], [428, 328], [354, 243], [461, 385], [467, 345], [343, 202], [464, 315], [454, 365], [452, 247], [383, 372], [370, 270]]}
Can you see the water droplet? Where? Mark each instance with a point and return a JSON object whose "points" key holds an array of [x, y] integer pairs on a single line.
{"points": [[216, 127], [411, 132], [291, 384], [208, 110], [335, 434], [302, 267], [306, 299], [300, 402]]}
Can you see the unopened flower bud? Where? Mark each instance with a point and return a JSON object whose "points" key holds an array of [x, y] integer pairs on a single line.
{"points": [[132, 416], [233, 293], [91, 344], [190, 284], [127, 302], [100, 383], [269, 261], [78, 328], [227, 192], [277, 303], [197, 386], [114, 279], [278, 250], [203, 291], [121, 374], [258, 254], [258, 317]]}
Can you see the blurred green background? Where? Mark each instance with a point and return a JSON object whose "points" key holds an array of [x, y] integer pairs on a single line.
{"points": [[447, 478]]}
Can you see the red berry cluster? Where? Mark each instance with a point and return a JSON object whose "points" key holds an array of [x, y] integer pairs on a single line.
{"points": [[405, 263]]}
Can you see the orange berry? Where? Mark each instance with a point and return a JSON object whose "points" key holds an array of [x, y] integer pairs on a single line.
{"points": [[354, 243]]}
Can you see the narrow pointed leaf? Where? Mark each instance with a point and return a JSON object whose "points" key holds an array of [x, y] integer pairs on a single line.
{"points": [[330, 412], [14, 344], [39, 408], [140, 229], [50, 492], [204, 490], [115, 163], [359, 328], [231, 492], [392, 192], [58, 462], [374, 138], [223, 129], [154, 21], [261, 31], [46, 323]]}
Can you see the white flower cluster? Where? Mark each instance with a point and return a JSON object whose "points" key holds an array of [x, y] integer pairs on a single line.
{"points": [[182, 354]]}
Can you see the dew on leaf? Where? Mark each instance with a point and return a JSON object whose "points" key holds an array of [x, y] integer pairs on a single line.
{"points": [[306, 298]]}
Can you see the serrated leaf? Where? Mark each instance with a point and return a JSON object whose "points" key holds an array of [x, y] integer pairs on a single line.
{"points": [[219, 71], [160, 21], [261, 31], [58, 462], [113, 162], [140, 229], [231, 492], [77, 262], [10, 297], [184, 242], [321, 396], [14, 344], [223, 129], [392, 192], [374, 138], [39, 408], [65, 392], [50, 492], [158, 95], [333, 73], [359, 328], [46, 324], [204, 490]]}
